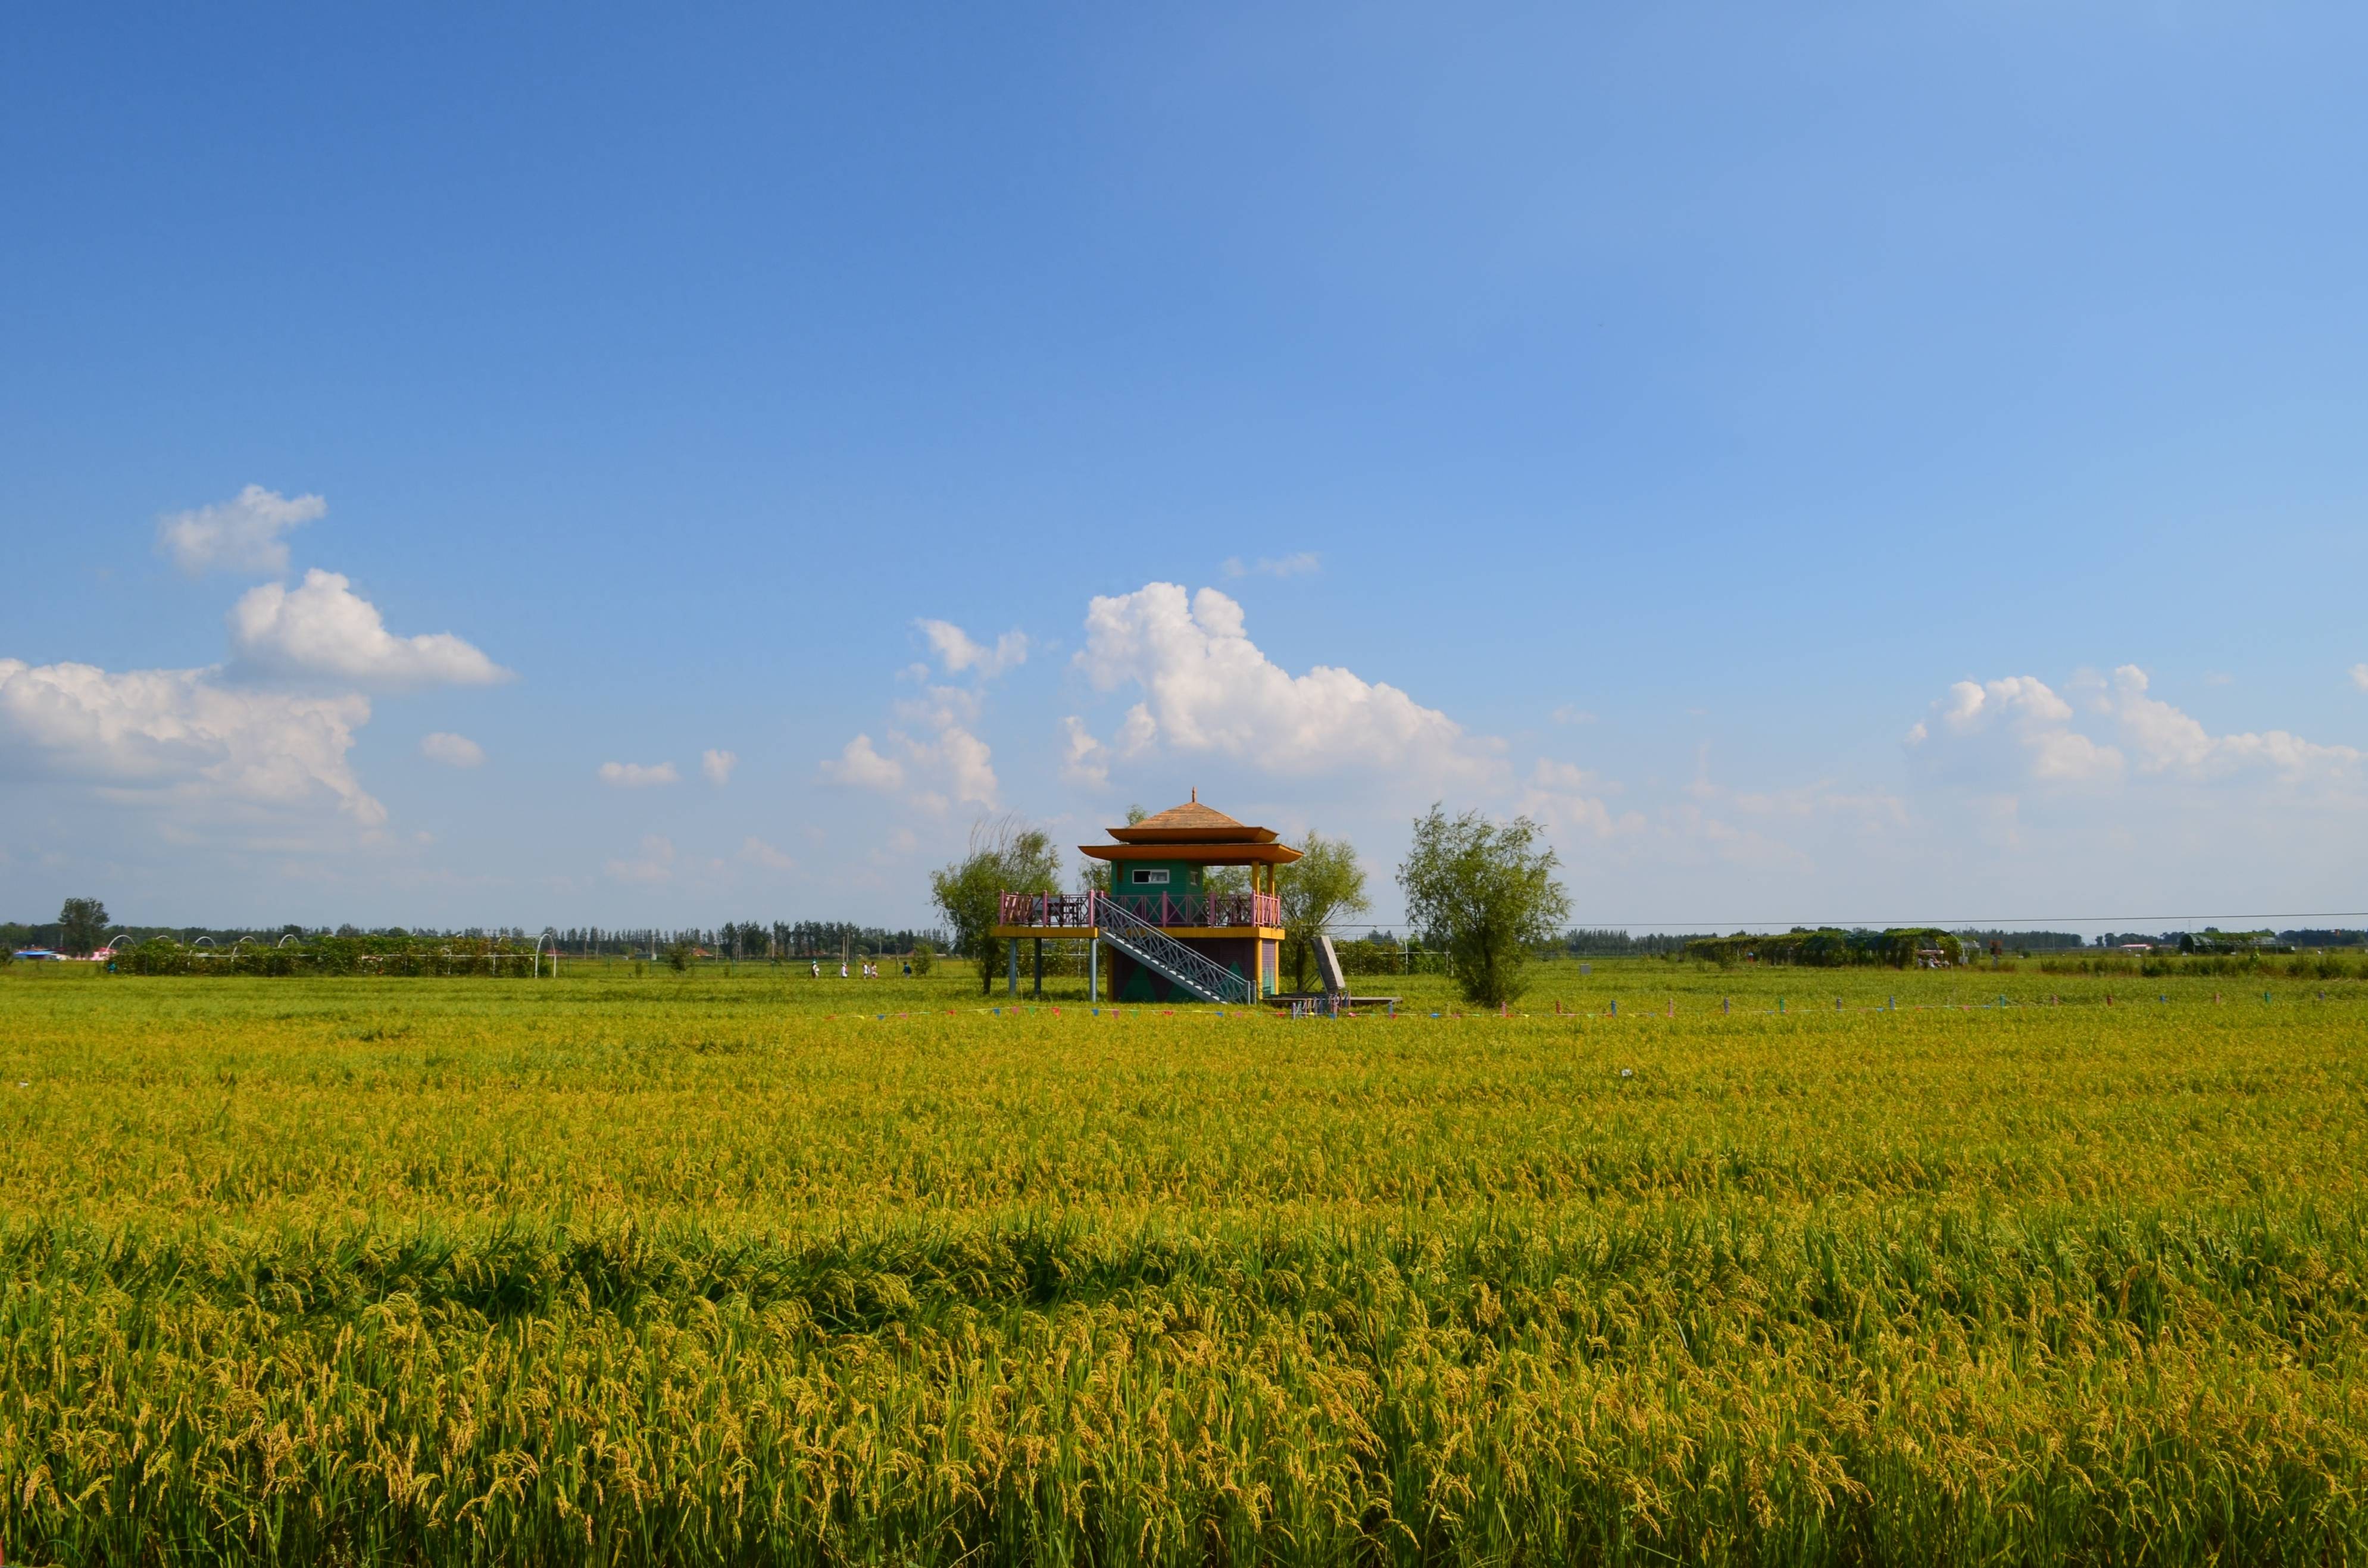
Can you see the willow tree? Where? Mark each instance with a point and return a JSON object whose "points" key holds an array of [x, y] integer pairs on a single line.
{"points": [[1325, 883], [1004, 856], [1485, 893]]}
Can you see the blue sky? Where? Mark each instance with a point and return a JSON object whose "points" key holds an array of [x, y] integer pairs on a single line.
{"points": [[1658, 420]]}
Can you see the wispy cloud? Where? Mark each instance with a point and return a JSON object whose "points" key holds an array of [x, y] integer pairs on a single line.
{"points": [[717, 765], [635, 776], [451, 750], [1299, 566], [654, 864], [757, 852]]}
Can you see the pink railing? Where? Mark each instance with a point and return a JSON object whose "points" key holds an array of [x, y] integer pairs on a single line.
{"points": [[1050, 909]]}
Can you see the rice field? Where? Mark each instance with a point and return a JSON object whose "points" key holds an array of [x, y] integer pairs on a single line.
{"points": [[737, 1266]]}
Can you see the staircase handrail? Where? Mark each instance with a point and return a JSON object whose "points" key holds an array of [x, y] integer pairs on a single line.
{"points": [[1219, 911], [1193, 969]]}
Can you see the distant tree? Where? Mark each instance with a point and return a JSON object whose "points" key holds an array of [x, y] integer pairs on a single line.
{"points": [[678, 956], [1094, 876], [1325, 883], [1487, 894], [925, 958], [744, 940], [82, 926], [1225, 882], [1004, 856]]}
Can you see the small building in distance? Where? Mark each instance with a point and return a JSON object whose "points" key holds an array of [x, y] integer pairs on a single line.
{"points": [[1168, 937]]}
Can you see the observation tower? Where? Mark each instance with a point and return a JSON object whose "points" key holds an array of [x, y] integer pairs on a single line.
{"points": [[1169, 937]]}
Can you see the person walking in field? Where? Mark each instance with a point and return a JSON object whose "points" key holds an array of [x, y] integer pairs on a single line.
{"points": [[814, 964], [842, 969]]}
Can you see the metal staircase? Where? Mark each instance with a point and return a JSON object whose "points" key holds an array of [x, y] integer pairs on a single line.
{"points": [[1156, 950]]}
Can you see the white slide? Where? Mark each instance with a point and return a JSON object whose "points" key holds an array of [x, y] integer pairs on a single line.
{"points": [[1327, 966]]}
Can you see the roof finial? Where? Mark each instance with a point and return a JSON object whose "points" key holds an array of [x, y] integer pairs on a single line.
{"points": [[1196, 794]]}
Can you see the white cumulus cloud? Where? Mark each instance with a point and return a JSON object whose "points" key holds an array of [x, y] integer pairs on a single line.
{"points": [[2165, 740], [954, 764], [2019, 727], [241, 534], [1208, 688], [2360, 676], [957, 651], [451, 750], [717, 765], [861, 766], [323, 628], [635, 776], [182, 734], [1085, 760], [965, 760]]}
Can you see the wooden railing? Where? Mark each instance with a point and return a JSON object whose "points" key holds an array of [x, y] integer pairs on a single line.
{"points": [[1076, 909]]}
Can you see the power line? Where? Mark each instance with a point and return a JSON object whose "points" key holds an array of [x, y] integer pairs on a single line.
{"points": [[1989, 921]]}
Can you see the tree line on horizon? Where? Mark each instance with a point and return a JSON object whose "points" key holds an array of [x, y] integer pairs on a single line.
{"points": [[84, 926], [1319, 893]]}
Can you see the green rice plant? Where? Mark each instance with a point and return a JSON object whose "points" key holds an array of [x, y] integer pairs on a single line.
{"points": [[721, 1268]]}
